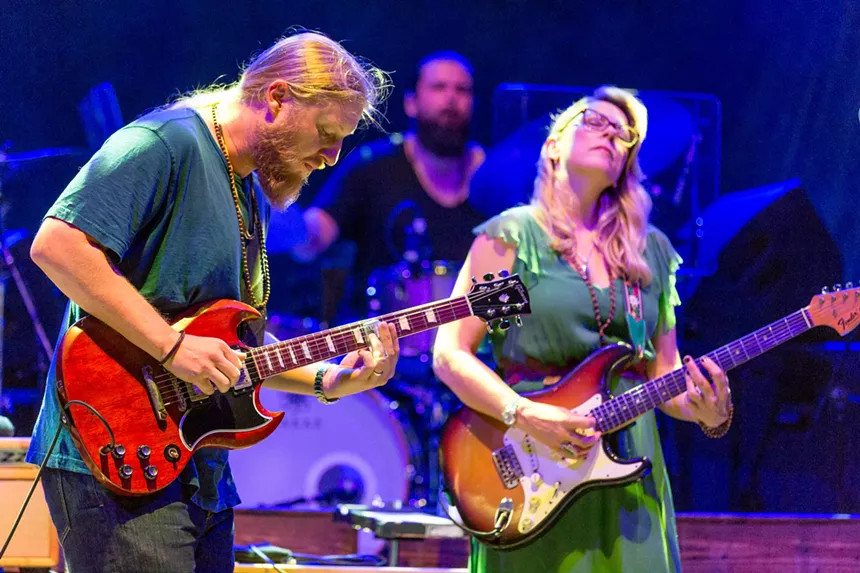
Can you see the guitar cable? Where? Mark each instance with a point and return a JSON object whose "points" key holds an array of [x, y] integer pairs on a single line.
{"points": [[64, 421]]}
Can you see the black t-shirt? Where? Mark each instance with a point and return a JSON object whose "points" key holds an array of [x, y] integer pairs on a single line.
{"points": [[378, 202]]}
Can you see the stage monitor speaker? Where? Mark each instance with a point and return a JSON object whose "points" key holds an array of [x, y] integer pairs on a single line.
{"points": [[35, 541], [766, 253]]}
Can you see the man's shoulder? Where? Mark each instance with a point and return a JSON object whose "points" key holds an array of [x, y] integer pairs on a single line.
{"points": [[177, 127]]}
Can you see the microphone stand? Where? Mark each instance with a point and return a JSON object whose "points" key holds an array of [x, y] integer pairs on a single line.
{"points": [[47, 349]]}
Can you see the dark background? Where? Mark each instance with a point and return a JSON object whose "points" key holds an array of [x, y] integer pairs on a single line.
{"points": [[788, 77]]}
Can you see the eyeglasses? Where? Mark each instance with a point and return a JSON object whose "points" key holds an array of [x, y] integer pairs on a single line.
{"points": [[593, 120]]}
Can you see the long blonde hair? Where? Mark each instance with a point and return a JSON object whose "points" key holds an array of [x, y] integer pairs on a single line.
{"points": [[315, 67], [623, 209]]}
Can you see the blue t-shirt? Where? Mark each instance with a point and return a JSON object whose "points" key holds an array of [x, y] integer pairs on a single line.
{"points": [[158, 197]]}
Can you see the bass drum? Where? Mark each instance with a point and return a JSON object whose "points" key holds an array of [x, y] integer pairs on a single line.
{"points": [[355, 451]]}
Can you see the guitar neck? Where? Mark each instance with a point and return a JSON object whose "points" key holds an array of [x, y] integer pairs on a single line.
{"points": [[626, 407], [273, 359]]}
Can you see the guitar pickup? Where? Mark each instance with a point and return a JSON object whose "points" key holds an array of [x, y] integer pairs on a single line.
{"points": [[154, 394]]}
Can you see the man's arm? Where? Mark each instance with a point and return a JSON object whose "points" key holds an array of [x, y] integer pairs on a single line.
{"points": [[80, 268]]}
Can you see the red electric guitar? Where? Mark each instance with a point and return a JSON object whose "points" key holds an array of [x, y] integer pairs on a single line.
{"points": [[136, 425], [509, 487]]}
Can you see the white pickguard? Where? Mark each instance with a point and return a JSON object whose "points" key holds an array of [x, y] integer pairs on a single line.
{"points": [[548, 478]]}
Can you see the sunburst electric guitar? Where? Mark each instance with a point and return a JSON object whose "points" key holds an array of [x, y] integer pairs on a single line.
{"points": [[136, 425], [508, 487]]}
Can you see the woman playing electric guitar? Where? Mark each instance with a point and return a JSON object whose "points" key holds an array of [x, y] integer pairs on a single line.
{"points": [[597, 274]]}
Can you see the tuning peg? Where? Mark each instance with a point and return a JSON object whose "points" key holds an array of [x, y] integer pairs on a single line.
{"points": [[837, 287], [489, 276], [825, 290], [504, 324], [518, 320], [849, 285], [490, 327], [504, 273], [474, 281]]}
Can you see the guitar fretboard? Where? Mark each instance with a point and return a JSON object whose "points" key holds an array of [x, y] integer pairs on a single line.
{"points": [[626, 407], [273, 359]]}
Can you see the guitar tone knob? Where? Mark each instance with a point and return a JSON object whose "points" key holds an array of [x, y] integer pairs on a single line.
{"points": [[150, 472], [125, 471], [143, 452], [534, 503], [118, 452], [536, 479]]}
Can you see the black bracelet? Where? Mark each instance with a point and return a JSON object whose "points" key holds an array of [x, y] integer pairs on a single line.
{"points": [[318, 389], [173, 350], [722, 429]]}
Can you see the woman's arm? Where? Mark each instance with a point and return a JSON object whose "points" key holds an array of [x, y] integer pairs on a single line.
{"points": [[477, 386], [702, 401]]}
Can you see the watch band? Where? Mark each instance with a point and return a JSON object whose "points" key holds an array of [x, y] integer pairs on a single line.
{"points": [[509, 413]]}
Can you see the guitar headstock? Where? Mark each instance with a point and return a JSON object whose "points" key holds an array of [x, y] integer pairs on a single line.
{"points": [[499, 299], [836, 307]]}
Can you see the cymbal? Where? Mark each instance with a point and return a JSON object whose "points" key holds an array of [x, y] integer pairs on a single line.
{"points": [[506, 177]]}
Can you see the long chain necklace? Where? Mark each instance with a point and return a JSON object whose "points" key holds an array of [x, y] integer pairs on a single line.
{"points": [[582, 271], [245, 234]]}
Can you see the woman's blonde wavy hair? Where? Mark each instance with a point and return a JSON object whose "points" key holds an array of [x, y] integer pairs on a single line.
{"points": [[623, 209], [315, 67]]}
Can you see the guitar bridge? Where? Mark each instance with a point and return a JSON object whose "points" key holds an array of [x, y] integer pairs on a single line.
{"points": [[508, 466]]}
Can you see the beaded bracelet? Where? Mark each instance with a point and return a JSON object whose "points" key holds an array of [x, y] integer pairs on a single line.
{"points": [[318, 389], [722, 429], [173, 350]]}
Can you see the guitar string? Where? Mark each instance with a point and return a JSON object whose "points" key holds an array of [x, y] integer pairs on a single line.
{"points": [[780, 331], [793, 324], [316, 343], [341, 336], [649, 389]]}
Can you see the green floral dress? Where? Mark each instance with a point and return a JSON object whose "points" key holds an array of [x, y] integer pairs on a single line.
{"points": [[629, 528]]}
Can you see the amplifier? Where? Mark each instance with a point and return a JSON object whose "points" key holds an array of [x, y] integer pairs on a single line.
{"points": [[35, 541]]}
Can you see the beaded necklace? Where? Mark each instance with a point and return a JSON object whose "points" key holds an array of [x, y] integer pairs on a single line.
{"points": [[582, 270], [245, 234]]}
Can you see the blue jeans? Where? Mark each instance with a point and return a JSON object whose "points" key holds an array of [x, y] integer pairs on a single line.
{"points": [[163, 532]]}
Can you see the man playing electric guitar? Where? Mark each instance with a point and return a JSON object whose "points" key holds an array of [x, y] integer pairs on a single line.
{"points": [[168, 215]]}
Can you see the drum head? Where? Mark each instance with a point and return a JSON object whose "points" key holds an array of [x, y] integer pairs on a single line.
{"points": [[354, 451]]}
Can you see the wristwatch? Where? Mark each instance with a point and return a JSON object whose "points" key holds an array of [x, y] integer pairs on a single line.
{"points": [[509, 413]]}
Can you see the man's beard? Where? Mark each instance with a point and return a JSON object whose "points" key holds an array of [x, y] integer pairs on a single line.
{"points": [[281, 173], [444, 140]]}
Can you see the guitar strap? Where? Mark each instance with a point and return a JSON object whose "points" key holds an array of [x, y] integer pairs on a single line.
{"points": [[635, 317]]}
